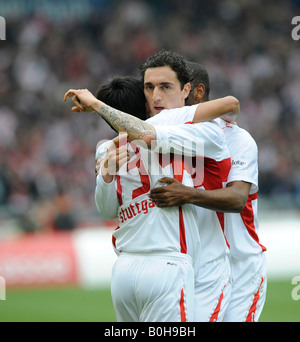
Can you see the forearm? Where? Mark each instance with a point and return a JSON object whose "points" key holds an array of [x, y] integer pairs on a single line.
{"points": [[223, 200], [137, 129], [123, 122], [106, 199]]}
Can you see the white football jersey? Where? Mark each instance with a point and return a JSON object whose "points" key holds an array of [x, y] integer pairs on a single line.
{"points": [[142, 226], [105, 195], [241, 229], [175, 116], [211, 224], [212, 175]]}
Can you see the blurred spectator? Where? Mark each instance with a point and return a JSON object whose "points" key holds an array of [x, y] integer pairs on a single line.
{"points": [[47, 153]]}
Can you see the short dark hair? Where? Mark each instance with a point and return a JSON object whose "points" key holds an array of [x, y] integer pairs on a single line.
{"points": [[126, 94], [199, 75], [168, 58]]}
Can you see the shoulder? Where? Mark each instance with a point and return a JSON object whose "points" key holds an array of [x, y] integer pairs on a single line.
{"points": [[237, 135], [173, 116], [209, 127], [180, 110], [244, 137]]}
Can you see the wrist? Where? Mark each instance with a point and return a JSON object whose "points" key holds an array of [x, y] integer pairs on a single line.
{"points": [[188, 195], [194, 196], [97, 105], [105, 175]]}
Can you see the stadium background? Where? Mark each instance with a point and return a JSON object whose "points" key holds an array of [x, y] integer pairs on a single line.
{"points": [[55, 251]]}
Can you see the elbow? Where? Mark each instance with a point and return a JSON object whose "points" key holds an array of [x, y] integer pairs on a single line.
{"points": [[106, 215], [236, 204], [239, 205], [234, 104]]}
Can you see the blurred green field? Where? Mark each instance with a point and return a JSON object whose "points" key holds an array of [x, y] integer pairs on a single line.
{"points": [[69, 304]]}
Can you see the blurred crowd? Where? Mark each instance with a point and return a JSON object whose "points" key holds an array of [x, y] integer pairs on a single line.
{"points": [[47, 176]]}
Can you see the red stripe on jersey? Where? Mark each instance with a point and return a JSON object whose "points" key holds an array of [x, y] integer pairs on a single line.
{"points": [[118, 179], [183, 247], [251, 314], [182, 308], [178, 167], [119, 189], [215, 315], [247, 216], [114, 239], [137, 163], [215, 174], [221, 219]]}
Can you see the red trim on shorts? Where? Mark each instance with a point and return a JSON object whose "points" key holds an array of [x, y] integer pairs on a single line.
{"points": [[183, 247], [251, 313], [182, 308], [215, 315]]}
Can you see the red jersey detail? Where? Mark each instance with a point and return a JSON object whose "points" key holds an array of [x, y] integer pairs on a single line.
{"points": [[247, 216], [114, 239], [136, 163], [178, 167], [183, 247], [119, 189], [215, 174]]}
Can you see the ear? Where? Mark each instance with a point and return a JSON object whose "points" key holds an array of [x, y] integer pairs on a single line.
{"points": [[199, 93], [186, 89]]}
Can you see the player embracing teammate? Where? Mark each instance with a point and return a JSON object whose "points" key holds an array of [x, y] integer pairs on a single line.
{"points": [[174, 262]]}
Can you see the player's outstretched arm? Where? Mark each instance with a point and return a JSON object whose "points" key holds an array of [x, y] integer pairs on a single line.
{"points": [[136, 129], [210, 110]]}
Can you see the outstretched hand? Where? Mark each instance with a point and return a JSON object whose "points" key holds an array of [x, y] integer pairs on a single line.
{"points": [[83, 99], [117, 155], [173, 194]]}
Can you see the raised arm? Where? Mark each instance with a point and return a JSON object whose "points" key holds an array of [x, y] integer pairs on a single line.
{"points": [[136, 129], [213, 109]]}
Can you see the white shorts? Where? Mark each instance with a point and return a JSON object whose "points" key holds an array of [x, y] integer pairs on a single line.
{"points": [[153, 287], [212, 290], [249, 287]]}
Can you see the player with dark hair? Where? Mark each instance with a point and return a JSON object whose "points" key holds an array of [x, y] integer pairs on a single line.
{"points": [[166, 80], [170, 59], [213, 281], [126, 87], [124, 93], [239, 202], [155, 246], [200, 85]]}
